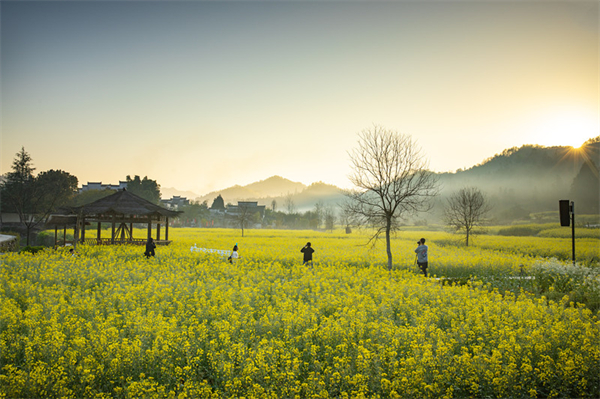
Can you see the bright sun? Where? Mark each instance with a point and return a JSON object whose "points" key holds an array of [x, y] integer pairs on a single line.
{"points": [[566, 127]]}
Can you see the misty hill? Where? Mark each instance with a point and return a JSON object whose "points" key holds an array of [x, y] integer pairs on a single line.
{"points": [[273, 187], [528, 168], [328, 194], [280, 190], [527, 179], [170, 192], [518, 182]]}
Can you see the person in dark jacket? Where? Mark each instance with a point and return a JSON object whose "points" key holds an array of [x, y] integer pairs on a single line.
{"points": [[422, 259], [308, 251], [150, 245]]}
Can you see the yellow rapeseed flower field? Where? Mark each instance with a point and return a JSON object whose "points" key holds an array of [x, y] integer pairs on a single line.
{"points": [[110, 323]]}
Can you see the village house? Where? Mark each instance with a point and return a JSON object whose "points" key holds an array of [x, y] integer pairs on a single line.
{"points": [[175, 202], [100, 186]]}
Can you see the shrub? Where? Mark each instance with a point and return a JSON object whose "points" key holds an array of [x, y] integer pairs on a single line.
{"points": [[520, 231], [32, 249], [45, 238], [10, 245], [555, 279]]}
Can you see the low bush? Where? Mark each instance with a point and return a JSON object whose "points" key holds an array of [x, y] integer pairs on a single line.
{"points": [[10, 245], [520, 231], [555, 279], [32, 249], [565, 232]]}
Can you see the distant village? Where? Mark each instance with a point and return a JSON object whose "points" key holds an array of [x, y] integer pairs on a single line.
{"points": [[521, 184], [177, 202]]}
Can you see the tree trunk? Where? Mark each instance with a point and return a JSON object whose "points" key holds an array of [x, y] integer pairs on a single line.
{"points": [[467, 237], [388, 244]]}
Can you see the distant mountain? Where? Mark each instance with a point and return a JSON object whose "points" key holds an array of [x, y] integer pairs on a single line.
{"points": [[518, 182], [278, 189], [527, 179], [530, 166], [273, 187], [170, 192], [326, 193]]}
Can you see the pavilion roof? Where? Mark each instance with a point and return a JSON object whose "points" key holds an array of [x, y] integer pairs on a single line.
{"points": [[61, 220], [125, 203]]}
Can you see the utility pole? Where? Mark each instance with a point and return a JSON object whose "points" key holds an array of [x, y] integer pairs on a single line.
{"points": [[567, 217], [572, 209]]}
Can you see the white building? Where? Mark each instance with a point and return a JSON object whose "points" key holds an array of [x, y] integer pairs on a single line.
{"points": [[100, 186], [175, 203]]}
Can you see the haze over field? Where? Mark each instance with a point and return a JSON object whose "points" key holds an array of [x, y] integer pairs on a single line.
{"points": [[206, 95], [517, 181]]}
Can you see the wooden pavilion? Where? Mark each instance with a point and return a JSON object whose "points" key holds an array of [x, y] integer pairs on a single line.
{"points": [[64, 221], [122, 210]]}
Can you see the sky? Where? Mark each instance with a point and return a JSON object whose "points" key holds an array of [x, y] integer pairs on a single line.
{"points": [[203, 95]]}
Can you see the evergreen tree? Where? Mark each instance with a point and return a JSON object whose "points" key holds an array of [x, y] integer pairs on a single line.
{"points": [[585, 189], [146, 188], [218, 203], [35, 198]]}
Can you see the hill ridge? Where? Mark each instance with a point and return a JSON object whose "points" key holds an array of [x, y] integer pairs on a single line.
{"points": [[529, 177]]}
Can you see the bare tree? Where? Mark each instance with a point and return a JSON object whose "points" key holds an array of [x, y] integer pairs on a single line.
{"points": [[346, 217], [465, 210], [290, 206], [391, 179], [329, 216], [319, 213], [244, 215]]}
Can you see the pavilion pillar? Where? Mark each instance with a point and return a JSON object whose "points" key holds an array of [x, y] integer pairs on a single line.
{"points": [[99, 233], [158, 230], [83, 229], [76, 233], [112, 235], [131, 231], [55, 235], [149, 227], [65, 235], [167, 229]]}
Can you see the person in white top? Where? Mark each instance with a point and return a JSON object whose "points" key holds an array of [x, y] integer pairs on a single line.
{"points": [[234, 255]]}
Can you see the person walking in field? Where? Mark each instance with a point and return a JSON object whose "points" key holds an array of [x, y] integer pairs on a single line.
{"points": [[150, 245], [308, 251], [234, 254], [421, 252]]}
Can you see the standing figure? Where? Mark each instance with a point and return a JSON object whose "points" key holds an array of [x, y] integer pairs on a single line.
{"points": [[422, 255], [150, 245], [308, 251], [234, 254]]}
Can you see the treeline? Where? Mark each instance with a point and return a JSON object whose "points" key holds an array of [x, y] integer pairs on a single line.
{"points": [[518, 183], [218, 214], [34, 197], [146, 188]]}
